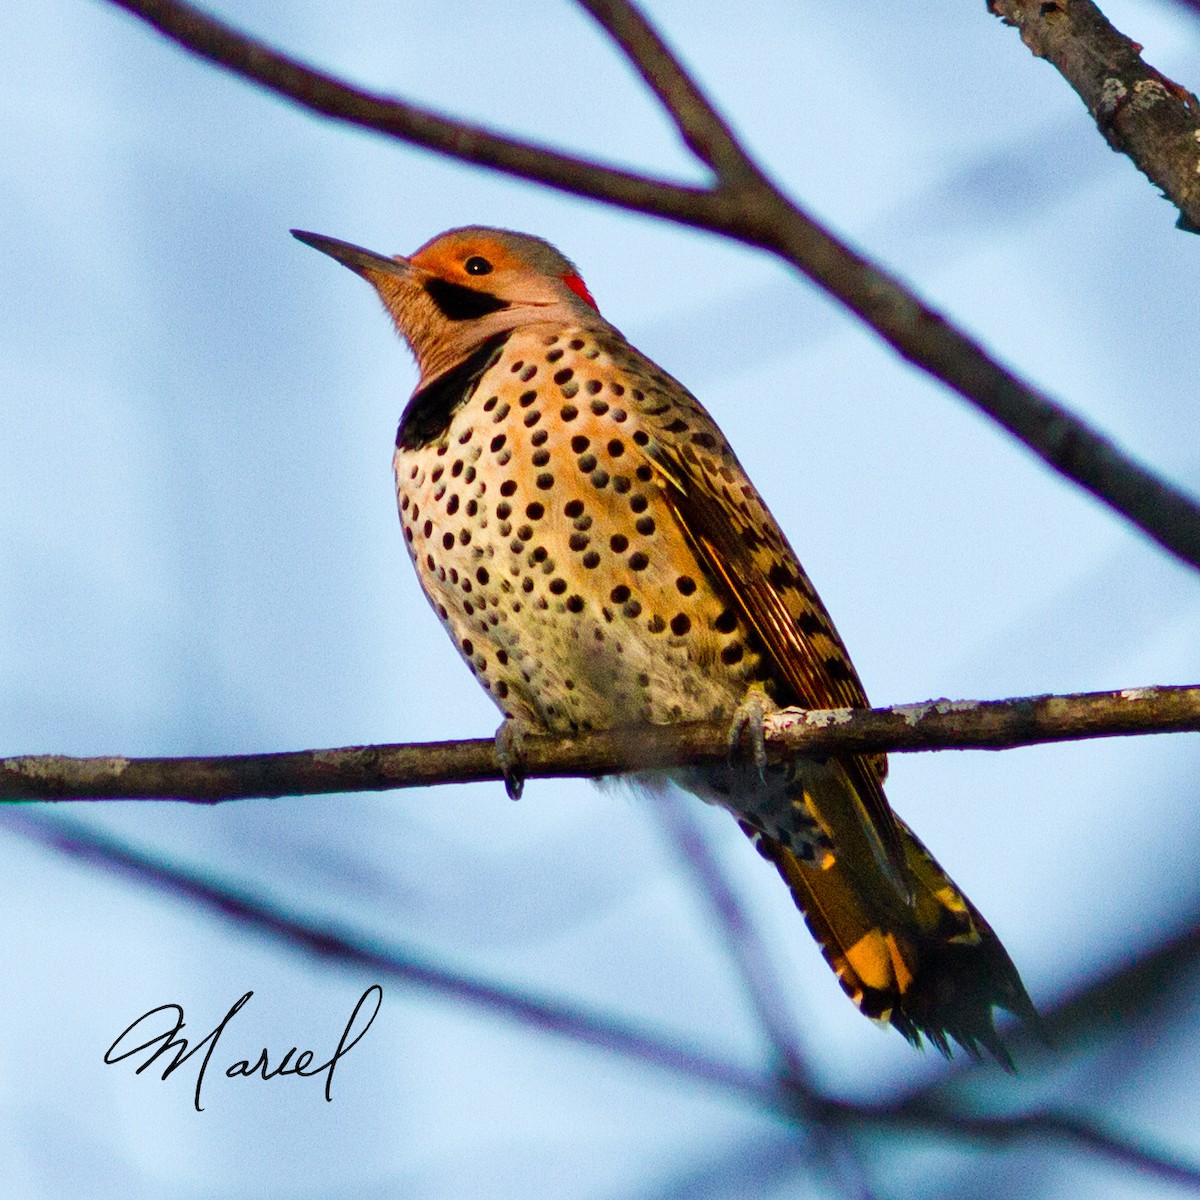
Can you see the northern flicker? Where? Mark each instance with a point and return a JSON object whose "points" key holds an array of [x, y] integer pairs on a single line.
{"points": [[599, 557]]}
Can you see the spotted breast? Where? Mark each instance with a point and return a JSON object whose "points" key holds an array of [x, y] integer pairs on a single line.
{"points": [[543, 540]]}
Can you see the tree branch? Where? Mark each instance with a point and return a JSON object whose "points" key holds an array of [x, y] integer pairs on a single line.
{"points": [[932, 725], [742, 205], [210, 39], [702, 128], [1141, 113]]}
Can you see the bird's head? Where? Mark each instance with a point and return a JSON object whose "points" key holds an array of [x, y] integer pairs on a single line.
{"points": [[464, 286]]}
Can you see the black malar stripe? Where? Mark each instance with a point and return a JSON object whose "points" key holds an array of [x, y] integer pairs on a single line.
{"points": [[458, 303], [428, 414]]}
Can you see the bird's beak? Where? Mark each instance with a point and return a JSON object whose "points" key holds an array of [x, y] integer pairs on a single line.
{"points": [[362, 262]]}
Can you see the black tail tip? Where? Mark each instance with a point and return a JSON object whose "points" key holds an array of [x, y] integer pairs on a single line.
{"points": [[957, 1006]]}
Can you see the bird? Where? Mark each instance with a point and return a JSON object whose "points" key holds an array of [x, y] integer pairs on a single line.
{"points": [[600, 558]]}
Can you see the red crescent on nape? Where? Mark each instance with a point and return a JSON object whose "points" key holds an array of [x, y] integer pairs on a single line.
{"points": [[580, 289]]}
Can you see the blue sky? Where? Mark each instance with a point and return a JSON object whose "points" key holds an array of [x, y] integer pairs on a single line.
{"points": [[199, 553]]}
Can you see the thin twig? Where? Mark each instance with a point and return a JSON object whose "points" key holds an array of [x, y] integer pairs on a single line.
{"points": [[760, 1160], [931, 725], [1140, 112], [764, 217], [742, 205], [702, 128], [225, 46]]}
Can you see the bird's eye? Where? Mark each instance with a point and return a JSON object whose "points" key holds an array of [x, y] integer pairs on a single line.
{"points": [[477, 266]]}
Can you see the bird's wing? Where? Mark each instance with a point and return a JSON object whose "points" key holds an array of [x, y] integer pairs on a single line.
{"points": [[732, 532]]}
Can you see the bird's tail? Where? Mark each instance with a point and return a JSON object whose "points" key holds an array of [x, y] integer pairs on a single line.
{"points": [[927, 962]]}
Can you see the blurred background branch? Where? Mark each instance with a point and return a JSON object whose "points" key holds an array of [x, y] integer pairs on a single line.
{"points": [[933, 1111]]}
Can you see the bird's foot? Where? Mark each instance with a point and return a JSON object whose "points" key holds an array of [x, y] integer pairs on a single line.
{"points": [[510, 755], [747, 723]]}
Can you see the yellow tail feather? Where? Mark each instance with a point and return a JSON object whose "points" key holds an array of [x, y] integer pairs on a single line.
{"points": [[926, 963]]}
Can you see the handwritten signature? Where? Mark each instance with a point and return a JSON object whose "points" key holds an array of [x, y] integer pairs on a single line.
{"points": [[294, 1061]]}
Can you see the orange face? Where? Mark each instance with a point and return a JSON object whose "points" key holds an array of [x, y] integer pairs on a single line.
{"points": [[465, 259], [513, 267], [465, 286]]}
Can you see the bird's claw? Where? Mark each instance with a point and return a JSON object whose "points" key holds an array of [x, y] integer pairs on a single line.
{"points": [[748, 722], [510, 755]]}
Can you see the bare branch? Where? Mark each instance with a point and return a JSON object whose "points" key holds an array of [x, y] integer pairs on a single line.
{"points": [[211, 39], [702, 128], [1140, 112], [931, 725], [742, 205]]}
